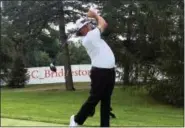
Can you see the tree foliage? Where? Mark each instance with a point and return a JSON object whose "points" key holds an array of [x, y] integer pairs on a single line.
{"points": [[28, 19], [18, 75], [78, 55], [147, 38]]}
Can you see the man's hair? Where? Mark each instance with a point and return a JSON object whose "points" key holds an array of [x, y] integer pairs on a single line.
{"points": [[79, 33]]}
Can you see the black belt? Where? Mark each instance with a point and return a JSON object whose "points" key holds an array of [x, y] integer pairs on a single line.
{"points": [[96, 68]]}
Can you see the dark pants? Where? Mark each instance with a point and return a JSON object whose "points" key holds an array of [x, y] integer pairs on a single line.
{"points": [[102, 85], [112, 115]]}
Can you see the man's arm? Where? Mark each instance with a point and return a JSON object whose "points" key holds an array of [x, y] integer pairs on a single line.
{"points": [[102, 24]]}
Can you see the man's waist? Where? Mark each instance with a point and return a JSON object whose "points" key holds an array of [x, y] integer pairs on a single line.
{"points": [[103, 66], [103, 69]]}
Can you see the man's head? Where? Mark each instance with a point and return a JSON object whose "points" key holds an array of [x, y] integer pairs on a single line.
{"points": [[83, 27]]}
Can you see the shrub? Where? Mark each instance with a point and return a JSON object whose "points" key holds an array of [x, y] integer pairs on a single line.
{"points": [[168, 91], [18, 75]]}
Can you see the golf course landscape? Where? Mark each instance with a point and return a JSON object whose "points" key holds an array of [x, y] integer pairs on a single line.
{"points": [[51, 105], [53, 52]]}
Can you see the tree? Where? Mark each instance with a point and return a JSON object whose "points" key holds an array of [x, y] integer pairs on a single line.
{"points": [[42, 58], [63, 39], [37, 15], [77, 54], [5, 50], [123, 27], [171, 63], [133, 37], [18, 76], [147, 38]]}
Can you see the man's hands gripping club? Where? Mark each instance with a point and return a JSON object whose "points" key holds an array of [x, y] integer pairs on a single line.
{"points": [[102, 24], [52, 67]]}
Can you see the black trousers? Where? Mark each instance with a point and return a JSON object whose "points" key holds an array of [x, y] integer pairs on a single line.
{"points": [[102, 85]]}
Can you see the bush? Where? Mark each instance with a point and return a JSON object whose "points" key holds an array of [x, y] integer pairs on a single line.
{"points": [[18, 75], [168, 91], [42, 58]]}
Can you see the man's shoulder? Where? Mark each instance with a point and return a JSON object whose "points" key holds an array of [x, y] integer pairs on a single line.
{"points": [[90, 33], [93, 34], [88, 36], [86, 39], [94, 31]]}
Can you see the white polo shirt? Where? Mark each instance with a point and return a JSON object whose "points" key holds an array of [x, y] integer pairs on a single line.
{"points": [[100, 53]]}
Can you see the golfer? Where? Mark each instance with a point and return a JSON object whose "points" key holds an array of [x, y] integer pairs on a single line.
{"points": [[102, 73]]}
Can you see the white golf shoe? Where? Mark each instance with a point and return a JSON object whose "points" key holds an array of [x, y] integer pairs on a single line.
{"points": [[72, 122]]}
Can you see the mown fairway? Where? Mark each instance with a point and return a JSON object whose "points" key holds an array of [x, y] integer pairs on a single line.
{"points": [[132, 106]]}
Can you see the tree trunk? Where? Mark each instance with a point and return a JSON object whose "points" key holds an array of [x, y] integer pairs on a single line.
{"points": [[127, 63], [21, 51], [126, 74], [67, 68], [63, 39], [145, 75], [136, 73]]}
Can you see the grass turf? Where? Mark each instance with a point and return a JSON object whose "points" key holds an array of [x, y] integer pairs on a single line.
{"points": [[132, 106], [17, 122]]}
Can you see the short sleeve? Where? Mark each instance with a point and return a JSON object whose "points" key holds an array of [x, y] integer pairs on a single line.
{"points": [[94, 34]]}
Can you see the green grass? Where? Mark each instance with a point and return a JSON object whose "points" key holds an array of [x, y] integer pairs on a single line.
{"points": [[132, 106], [17, 122]]}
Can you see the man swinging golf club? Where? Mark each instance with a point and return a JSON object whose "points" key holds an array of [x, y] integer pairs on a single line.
{"points": [[102, 73]]}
